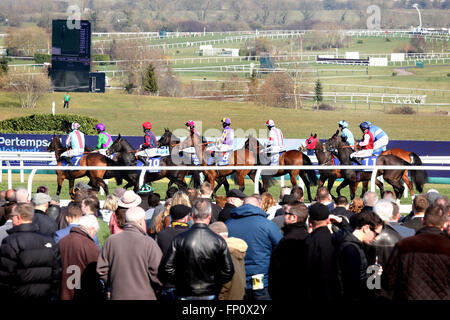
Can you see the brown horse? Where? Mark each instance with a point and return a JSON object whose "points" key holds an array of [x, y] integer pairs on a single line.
{"points": [[324, 157], [393, 177], [414, 160], [288, 158], [240, 157], [88, 159]]}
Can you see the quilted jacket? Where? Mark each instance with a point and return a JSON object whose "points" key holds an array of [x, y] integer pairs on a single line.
{"points": [[419, 267]]}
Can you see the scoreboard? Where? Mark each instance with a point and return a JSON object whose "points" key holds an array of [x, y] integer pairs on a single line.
{"points": [[71, 55]]}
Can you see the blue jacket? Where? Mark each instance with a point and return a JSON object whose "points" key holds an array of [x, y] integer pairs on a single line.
{"points": [[250, 224]]}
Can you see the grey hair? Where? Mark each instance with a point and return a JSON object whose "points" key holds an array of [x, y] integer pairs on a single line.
{"points": [[253, 200], [135, 214], [384, 209], [89, 221], [21, 195], [370, 198], [201, 209]]}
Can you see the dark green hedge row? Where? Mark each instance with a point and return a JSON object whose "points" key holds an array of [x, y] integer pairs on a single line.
{"points": [[40, 58], [100, 57], [47, 123]]}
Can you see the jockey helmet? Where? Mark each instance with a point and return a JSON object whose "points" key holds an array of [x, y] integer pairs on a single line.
{"points": [[75, 126], [100, 127], [364, 126], [343, 124], [190, 123], [270, 123], [147, 125], [368, 123], [226, 120]]}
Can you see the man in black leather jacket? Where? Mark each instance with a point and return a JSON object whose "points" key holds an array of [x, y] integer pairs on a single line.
{"points": [[198, 261]]}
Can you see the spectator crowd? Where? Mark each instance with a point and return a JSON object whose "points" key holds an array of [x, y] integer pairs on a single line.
{"points": [[134, 246]]}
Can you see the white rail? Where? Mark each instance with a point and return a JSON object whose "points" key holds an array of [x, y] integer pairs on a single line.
{"points": [[259, 170]]}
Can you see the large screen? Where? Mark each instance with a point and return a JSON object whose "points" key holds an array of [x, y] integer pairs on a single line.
{"points": [[68, 40]]}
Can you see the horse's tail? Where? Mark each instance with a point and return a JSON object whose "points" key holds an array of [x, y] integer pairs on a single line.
{"points": [[195, 179], [312, 177], [268, 181], [419, 177]]}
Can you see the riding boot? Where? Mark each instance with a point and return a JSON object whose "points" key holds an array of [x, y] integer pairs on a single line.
{"points": [[357, 160], [142, 159], [66, 159]]}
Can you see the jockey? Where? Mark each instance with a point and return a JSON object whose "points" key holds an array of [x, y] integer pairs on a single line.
{"points": [[191, 125], [366, 144], [275, 143], [74, 143], [381, 139], [149, 146], [225, 142], [347, 135], [104, 140]]}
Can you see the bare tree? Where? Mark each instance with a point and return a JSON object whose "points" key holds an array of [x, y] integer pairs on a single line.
{"points": [[29, 88]]}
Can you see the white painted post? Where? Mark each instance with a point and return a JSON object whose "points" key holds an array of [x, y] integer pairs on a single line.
{"points": [[30, 182], [22, 179], [53, 108], [9, 176], [257, 176]]}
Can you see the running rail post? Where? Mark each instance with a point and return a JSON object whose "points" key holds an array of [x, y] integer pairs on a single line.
{"points": [[257, 176], [9, 175], [373, 178], [30, 182], [141, 176]]}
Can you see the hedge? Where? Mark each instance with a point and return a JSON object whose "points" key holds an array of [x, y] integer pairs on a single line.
{"points": [[100, 57], [47, 123], [40, 58]]}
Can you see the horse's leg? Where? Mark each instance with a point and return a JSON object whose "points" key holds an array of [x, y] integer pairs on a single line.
{"points": [[398, 188], [408, 183], [365, 187], [71, 183], [60, 180], [307, 184], [331, 180], [380, 185], [101, 183], [241, 180]]}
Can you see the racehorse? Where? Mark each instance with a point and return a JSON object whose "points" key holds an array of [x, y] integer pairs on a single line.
{"points": [[393, 177], [414, 159], [238, 157], [324, 157], [287, 158], [126, 156], [88, 159]]}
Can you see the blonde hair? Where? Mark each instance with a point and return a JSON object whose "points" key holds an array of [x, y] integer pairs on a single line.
{"points": [[159, 220], [356, 206], [111, 203], [267, 201], [181, 197]]}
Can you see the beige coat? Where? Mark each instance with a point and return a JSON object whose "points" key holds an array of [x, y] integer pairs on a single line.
{"points": [[235, 289]]}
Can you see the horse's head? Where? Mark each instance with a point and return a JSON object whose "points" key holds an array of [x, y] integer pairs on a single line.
{"points": [[55, 144], [116, 146], [167, 138], [252, 144], [311, 142], [334, 143]]}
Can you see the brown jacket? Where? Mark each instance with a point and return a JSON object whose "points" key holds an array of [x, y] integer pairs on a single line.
{"points": [[78, 249], [419, 267], [235, 289], [129, 263]]}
